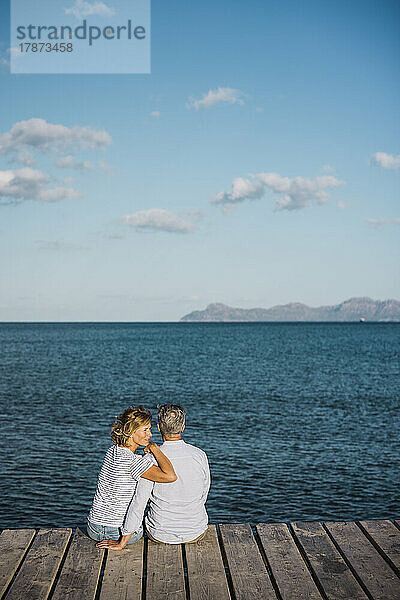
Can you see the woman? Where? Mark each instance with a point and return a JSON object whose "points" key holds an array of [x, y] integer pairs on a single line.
{"points": [[120, 473]]}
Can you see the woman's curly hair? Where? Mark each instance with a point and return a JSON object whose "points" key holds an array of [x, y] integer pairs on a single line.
{"points": [[127, 422]]}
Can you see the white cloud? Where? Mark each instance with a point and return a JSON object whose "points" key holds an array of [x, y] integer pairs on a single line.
{"points": [[198, 215], [341, 205], [56, 194], [83, 9], [155, 113], [10, 56], [4, 60], [299, 192], [387, 161], [242, 189], [158, 219], [229, 95], [30, 184], [291, 193], [37, 134], [24, 157], [379, 222], [69, 162], [28, 138]]}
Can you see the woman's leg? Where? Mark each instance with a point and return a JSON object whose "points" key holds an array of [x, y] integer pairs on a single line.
{"points": [[101, 532], [104, 532]]}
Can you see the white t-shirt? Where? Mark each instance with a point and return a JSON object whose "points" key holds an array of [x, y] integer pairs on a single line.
{"points": [[116, 485]]}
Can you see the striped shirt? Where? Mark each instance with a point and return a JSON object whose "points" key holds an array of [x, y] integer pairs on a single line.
{"points": [[117, 484]]}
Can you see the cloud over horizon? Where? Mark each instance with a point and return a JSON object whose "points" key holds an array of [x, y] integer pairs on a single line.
{"points": [[158, 219], [291, 193], [379, 222], [387, 161], [59, 246], [229, 95], [18, 185]]}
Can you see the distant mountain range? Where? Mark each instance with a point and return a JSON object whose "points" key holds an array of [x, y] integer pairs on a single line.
{"points": [[349, 310]]}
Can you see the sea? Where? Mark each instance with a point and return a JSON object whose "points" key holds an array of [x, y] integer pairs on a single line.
{"points": [[300, 421]]}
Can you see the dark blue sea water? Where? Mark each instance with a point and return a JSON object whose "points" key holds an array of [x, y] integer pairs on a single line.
{"points": [[300, 421]]}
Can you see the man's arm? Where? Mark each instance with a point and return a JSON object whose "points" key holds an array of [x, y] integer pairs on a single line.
{"points": [[207, 477], [134, 514]]}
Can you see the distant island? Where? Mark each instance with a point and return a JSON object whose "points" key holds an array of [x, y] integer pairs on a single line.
{"points": [[355, 309]]}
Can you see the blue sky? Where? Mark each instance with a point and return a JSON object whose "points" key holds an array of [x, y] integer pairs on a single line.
{"points": [[258, 164]]}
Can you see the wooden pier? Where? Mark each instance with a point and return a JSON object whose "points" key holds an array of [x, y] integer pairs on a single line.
{"points": [[303, 560]]}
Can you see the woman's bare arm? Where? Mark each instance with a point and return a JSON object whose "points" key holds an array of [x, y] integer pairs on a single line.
{"points": [[164, 473]]}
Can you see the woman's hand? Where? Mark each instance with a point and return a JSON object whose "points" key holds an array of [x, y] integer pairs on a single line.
{"points": [[164, 473], [151, 446], [111, 544]]}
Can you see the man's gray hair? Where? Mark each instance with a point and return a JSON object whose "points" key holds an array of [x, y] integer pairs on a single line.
{"points": [[171, 418]]}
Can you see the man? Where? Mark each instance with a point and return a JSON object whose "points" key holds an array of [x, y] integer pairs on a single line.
{"points": [[177, 511]]}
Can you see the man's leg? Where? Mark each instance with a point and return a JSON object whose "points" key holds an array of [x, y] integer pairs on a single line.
{"points": [[191, 541], [198, 538], [153, 539]]}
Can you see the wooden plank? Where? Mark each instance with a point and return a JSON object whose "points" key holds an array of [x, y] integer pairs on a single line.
{"points": [[13, 545], [40, 566], [387, 537], [123, 573], [248, 572], [206, 572], [287, 565], [327, 563], [374, 572], [165, 578], [81, 570]]}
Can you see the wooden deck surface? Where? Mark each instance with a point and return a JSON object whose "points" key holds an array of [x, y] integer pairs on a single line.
{"points": [[300, 561]]}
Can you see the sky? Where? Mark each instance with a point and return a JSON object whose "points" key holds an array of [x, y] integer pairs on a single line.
{"points": [[257, 164]]}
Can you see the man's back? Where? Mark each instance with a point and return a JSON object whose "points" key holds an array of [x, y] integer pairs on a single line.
{"points": [[176, 511]]}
